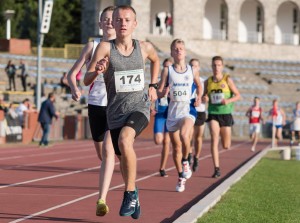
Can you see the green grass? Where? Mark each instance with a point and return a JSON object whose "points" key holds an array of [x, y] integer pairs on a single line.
{"points": [[270, 192]]}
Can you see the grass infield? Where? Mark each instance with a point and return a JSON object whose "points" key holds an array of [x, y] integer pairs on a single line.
{"points": [[270, 192]]}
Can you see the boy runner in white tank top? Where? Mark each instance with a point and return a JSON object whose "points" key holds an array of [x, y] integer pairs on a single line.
{"points": [[122, 61], [198, 130], [278, 119], [97, 102], [255, 115], [295, 125], [181, 110]]}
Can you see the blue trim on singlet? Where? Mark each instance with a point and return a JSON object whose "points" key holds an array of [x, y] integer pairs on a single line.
{"points": [[193, 110]]}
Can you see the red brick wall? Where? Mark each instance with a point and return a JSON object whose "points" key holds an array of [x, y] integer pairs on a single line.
{"points": [[16, 46]]}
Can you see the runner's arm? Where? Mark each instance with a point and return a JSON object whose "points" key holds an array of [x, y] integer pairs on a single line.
{"points": [[154, 68], [248, 112], [198, 86], [84, 57], [234, 90], [99, 61], [205, 98], [161, 91], [283, 117]]}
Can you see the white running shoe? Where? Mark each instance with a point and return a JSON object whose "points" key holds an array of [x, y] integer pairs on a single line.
{"points": [[180, 187], [187, 172]]}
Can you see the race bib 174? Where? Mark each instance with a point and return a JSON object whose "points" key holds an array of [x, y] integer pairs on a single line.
{"points": [[129, 80]]}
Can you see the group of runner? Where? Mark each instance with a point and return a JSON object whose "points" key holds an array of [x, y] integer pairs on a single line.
{"points": [[278, 119], [119, 110]]}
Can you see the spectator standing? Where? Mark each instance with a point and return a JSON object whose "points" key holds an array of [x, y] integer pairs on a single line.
{"points": [[157, 24], [168, 22], [10, 70], [23, 67], [46, 115], [23, 107]]}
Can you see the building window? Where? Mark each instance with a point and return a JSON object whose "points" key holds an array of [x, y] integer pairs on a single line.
{"points": [[223, 21], [259, 24]]}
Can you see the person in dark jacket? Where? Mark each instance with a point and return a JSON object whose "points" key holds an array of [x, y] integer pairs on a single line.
{"points": [[46, 115], [10, 70]]}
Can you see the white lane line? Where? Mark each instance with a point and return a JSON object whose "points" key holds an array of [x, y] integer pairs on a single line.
{"points": [[18, 166], [50, 177], [48, 162], [112, 188], [62, 152], [45, 154], [66, 174], [35, 147]]}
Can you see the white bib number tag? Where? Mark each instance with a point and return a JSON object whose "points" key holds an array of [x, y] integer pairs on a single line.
{"points": [[255, 114], [164, 101], [180, 94], [216, 98], [129, 80]]}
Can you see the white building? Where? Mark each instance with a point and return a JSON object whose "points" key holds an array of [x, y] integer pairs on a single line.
{"points": [[266, 29]]}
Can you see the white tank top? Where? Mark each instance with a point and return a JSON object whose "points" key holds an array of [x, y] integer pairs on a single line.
{"points": [[296, 122], [182, 90], [97, 93], [279, 117], [201, 107]]}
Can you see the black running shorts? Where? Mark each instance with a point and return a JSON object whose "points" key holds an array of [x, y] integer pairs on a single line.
{"points": [[98, 122], [224, 120], [137, 120], [201, 117]]}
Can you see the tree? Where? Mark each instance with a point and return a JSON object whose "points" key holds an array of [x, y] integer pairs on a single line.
{"points": [[65, 21]]}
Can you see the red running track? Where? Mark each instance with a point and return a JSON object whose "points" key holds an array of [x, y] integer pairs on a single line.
{"points": [[60, 183]]}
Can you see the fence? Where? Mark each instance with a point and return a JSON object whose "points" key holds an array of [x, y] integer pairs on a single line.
{"points": [[70, 51]]}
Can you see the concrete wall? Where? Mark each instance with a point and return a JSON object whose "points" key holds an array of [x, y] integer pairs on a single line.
{"points": [[193, 21], [209, 48]]}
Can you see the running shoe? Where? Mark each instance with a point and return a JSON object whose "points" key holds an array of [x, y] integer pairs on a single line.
{"points": [[187, 173], [217, 173], [130, 200], [163, 173], [101, 208], [253, 149], [180, 187], [195, 164], [137, 213]]}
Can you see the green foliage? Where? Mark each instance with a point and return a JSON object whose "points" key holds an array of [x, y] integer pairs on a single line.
{"points": [[268, 193], [65, 21]]}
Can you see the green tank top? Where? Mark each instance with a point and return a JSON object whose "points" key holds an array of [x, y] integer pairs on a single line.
{"points": [[217, 91]]}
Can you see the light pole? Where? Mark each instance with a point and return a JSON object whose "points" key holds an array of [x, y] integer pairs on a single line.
{"points": [[44, 18], [40, 37], [8, 14]]}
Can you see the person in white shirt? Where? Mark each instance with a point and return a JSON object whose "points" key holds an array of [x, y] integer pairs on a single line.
{"points": [[24, 107]]}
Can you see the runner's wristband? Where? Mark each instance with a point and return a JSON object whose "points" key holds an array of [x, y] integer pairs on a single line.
{"points": [[154, 85]]}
